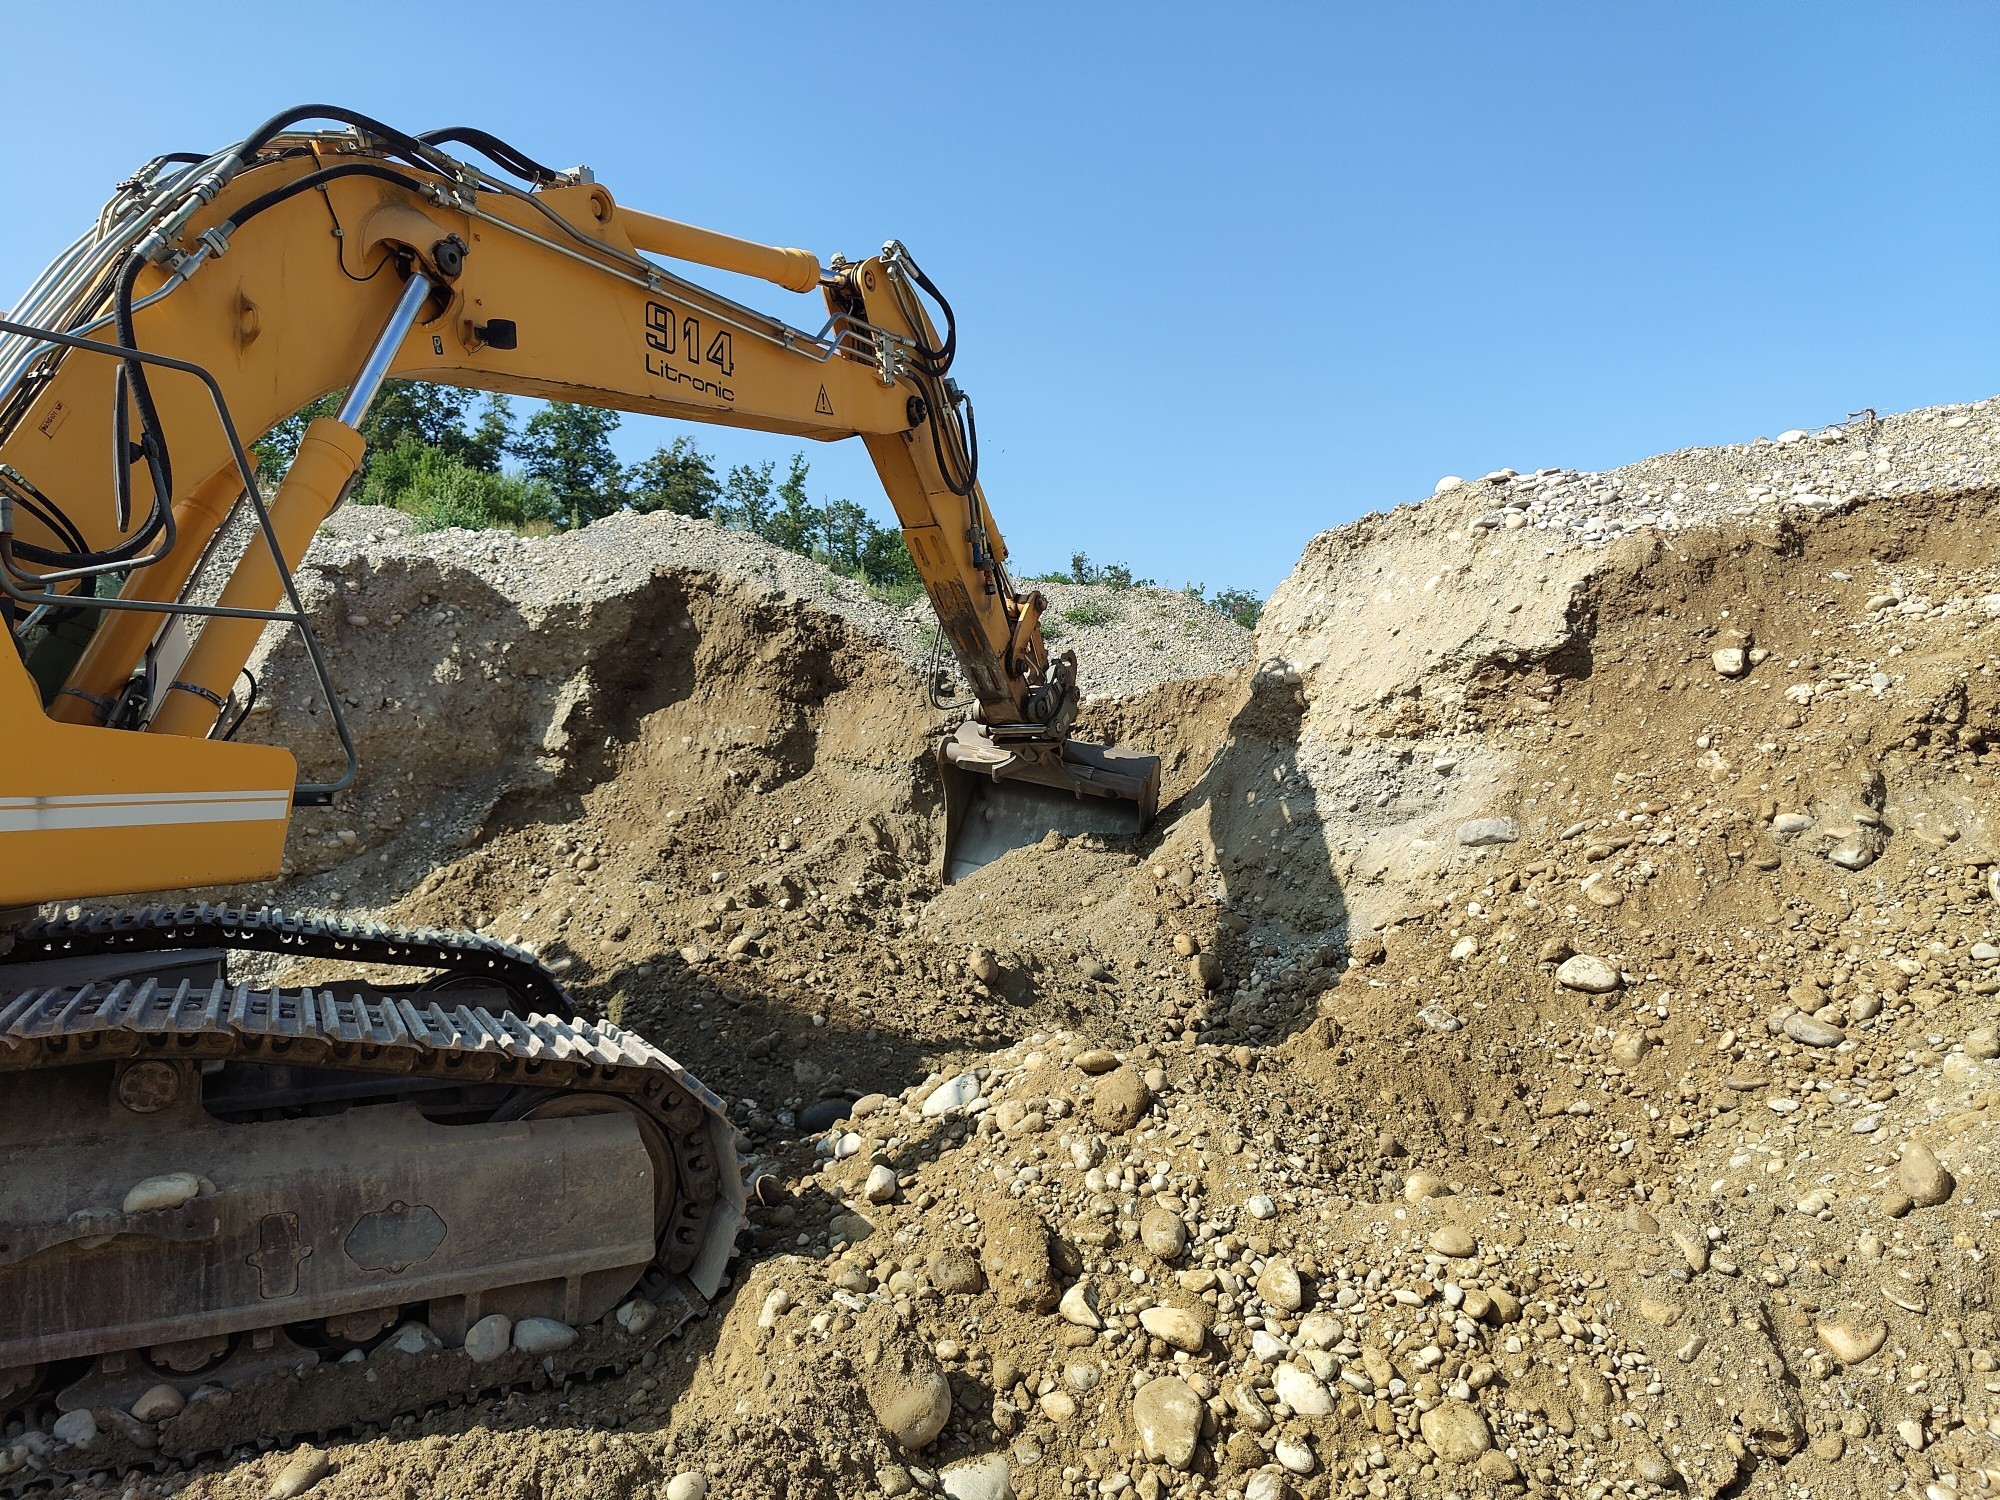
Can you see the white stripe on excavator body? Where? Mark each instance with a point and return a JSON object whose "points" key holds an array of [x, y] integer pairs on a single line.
{"points": [[141, 810]]}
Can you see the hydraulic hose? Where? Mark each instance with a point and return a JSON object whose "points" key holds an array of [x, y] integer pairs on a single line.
{"points": [[492, 147], [406, 145], [312, 180]]}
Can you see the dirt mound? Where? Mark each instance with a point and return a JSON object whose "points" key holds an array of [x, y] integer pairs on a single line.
{"points": [[1545, 1046]]}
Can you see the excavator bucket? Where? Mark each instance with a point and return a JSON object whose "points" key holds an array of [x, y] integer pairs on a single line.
{"points": [[1000, 796]]}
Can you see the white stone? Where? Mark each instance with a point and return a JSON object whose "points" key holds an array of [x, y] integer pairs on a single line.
{"points": [[1850, 1345], [1456, 1431], [689, 1484], [489, 1338], [881, 1186], [543, 1336], [1481, 832], [308, 1467], [414, 1338], [77, 1428], [1168, 1415], [983, 1478], [1447, 484], [636, 1316], [1421, 1185], [1250, 1407], [1079, 1306], [168, 1190], [952, 1095], [1730, 661], [1319, 1331], [158, 1404], [774, 1307], [1174, 1326], [1295, 1455], [1587, 972], [1810, 1031], [1302, 1391], [1262, 1206], [1280, 1286]]}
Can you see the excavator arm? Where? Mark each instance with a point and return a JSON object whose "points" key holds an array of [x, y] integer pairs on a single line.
{"points": [[297, 264]]}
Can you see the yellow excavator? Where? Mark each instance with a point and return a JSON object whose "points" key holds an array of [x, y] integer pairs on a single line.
{"points": [[213, 1187]]}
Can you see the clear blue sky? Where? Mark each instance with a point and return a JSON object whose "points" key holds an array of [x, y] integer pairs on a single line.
{"points": [[1226, 275]]}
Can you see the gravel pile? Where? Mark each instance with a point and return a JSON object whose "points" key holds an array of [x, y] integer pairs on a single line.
{"points": [[1126, 640], [1935, 450]]}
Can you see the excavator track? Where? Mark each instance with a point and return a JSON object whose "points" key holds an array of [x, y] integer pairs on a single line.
{"points": [[325, 1189], [195, 925]]}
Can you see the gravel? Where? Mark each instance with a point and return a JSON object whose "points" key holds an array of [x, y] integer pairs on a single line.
{"points": [[1146, 636], [1933, 450]]}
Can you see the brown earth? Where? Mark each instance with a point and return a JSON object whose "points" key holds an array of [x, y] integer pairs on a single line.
{"points": [[1558, 1241]]}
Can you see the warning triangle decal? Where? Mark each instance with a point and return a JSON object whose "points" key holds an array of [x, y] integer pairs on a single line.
{"points": [[823, 406]]}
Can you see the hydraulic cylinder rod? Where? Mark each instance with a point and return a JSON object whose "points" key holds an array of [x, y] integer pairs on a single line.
{"points": [[327, 459], [794, 270]]}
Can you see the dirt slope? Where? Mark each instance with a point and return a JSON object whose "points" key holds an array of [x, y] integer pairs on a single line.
{"points": [[1546, 1045]]}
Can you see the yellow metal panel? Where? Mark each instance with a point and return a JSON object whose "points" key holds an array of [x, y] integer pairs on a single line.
{"points": [[102, 812]]}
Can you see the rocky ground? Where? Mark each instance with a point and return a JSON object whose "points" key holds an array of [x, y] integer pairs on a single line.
{"points": [[1545, 1046]]}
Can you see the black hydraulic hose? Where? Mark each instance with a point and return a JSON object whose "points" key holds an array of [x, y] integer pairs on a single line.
{"points": [[121, 446], [312, 180], [939, 406], [249, 703], [942, 357], [152, 436], [406, 145], [57, 521], [486, 144]]}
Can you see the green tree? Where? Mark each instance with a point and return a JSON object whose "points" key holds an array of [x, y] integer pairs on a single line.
{"points": [[568, 448], [1240, 605], [795, 522], [431, 414], [679, 478], [747, 501], [404, 410], [492, 437], [886, 561], [843, 534], [442, 489]]}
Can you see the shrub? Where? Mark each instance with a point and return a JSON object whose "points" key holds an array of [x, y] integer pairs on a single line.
{"points": [[439, 490], [1240, 605]]}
